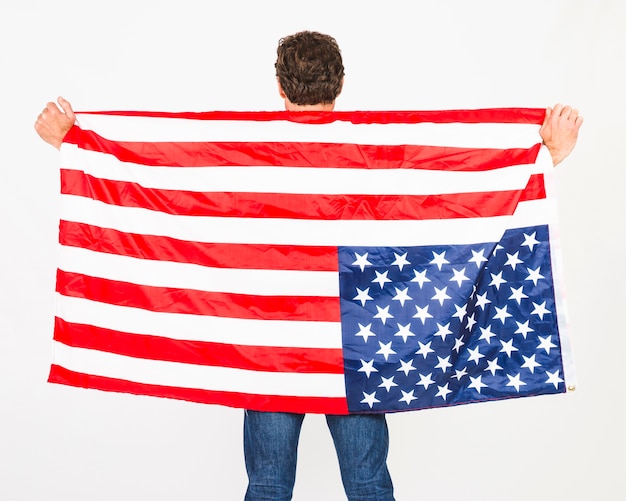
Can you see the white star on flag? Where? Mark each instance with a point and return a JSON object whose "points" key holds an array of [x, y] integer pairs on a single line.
{"points": [[385, 350], [363, 296], [502, 314], [524, 328], [477, 383], [497, 280], [381, 278], [425, 349], [361, 261], [406, 367], [482, 301], [407, 396], [370, 399], [404, 331], [546, 343], [365, 332], [444, 391], [459, 276], [439, 259], [443, 331], [478, 258], [420, 278], [367, 367], [515, 381], [486, 334], [534, 275], [400, 261], [513, 260], [387, 383], [540, 310], [475, 355], [530, 241], [422, 314], [553, 378], [507, 347], [444, 363], [530, 363], [402, 295], [518, 294], [492, 366], [383, 314], [426, 381], [440, 295]]}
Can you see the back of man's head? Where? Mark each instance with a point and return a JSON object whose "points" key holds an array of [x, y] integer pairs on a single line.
{"points": [[309, 68]]}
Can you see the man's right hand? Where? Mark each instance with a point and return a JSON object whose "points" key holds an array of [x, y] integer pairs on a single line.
{"points": [[53, 123]]}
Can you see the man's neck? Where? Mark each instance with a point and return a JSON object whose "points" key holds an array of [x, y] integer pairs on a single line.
{"points": [[289, 106]]}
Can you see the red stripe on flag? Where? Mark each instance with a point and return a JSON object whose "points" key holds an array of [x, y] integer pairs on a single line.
{"points": [[535, 189], [294, 154], [492, 115], [195, 302], [292, 206], [269, 403], [161, 248], [258, 358]]}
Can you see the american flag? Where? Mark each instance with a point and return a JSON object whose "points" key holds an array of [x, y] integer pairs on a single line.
{"points": [[338, 262]]}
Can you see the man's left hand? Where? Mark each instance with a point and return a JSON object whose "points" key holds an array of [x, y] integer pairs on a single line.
{"points": [[560, 131]]}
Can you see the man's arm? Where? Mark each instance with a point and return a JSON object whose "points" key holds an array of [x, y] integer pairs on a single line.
{"points": [[53, 123], [560, 131]]}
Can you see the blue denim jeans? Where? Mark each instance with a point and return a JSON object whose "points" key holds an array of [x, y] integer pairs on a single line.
{"points": [[271, 445]]}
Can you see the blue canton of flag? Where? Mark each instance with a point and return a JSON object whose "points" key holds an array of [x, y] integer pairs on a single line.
{"points": [[441, 325]]}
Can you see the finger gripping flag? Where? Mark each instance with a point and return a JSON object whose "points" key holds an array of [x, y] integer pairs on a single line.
{"points": [[325, 262]]}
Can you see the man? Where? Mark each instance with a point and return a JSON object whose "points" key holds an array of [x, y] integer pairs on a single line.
{"points": [[310, 74]]}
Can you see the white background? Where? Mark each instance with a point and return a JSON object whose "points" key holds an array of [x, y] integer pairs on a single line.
{"points": [[62, 443]]}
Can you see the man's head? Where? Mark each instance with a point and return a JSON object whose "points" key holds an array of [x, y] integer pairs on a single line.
{"points": [[309, 68]]}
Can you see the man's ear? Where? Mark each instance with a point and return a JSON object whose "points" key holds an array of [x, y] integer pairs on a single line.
{"points": [[281, 92]]}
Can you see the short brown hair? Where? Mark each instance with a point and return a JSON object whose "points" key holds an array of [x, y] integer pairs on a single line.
{"points": [[309, 68]]}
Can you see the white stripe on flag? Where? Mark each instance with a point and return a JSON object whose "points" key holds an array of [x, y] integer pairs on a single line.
{"points": [[237, 331], [192, 276], [459, 135], [299, 180], [183, 375]]}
